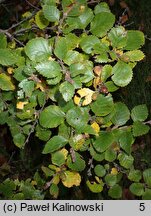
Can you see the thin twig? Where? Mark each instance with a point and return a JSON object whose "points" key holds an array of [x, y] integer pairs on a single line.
{"points": [[29, 3], [11, 37]]}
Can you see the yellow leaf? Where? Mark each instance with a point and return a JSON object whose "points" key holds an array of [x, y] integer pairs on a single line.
{"points": [[96, 82], [76, 100], [10, 70], [87, 93], [114, 171], [96, 127], [71, 179], [20, 104], [33, 183]]}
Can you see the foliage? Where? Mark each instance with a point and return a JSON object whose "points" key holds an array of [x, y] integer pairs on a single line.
{"points": [[60, 86]]}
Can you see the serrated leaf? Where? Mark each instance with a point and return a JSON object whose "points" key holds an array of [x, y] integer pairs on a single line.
{"points": [[140, 129], [95, 187], [122, 74], [104, 141], [99, 170], [51, 117], [88, 42], [147, 194], [147, 176], [61, 47], [121, 114], [139, 113], [19, 140], [55, 143], [102, 23], [126, 140], [110, 179], [27, 87], [134, 55], [38, 49], [73, 56], [78, 164], [49, 69], [40, 20], [6, 83], [71, 179], [137, 189], [118, 37], [7, 57], [125, 160], [102, 7], [135, 39], [3, 41], [54, 190], [106, 72], [77, 117], [42, 133], [103, 105], [67, 90], [135, 175], [85, 93], [115, 192], [95, 155], [51, 13], [110, 155]]}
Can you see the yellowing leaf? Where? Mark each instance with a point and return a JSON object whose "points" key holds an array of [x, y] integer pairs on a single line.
{"points": [[114, 171], [71, 179], [87, 93], [20, 104], [96, 127], [65, 152], [96, 82], [98, 70], [33, 183], [40, 86], [56, 179], [10, 70], [76, 100]]}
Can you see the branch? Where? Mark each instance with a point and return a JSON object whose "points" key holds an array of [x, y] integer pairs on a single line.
{"points": [[11, 37]]}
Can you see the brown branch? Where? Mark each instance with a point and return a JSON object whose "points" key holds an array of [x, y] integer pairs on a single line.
{"points": [[11, 37]]}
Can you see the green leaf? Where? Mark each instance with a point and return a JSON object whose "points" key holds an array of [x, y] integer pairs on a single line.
{"points": [[54, 144], [110, 155], [104, 141], [147, 194], [58, 158], [3, 41], [99, 170], [73, 57], [42, 133], [49, 69], [110, 179], [19, 140], [137, 189], [51, 117], [102, 7], [7, 188], [125, 160], [94, 187], [135, 175], [51, 13], [147, 177], [106, 72], [78, 164], [103, 105], [115, 192], [95, 155], [7, 57], [6, 83], [27, 86], [121, 114], [67, 90], [140, 129], [110, 86], [54, 190], [77, 117], [122, 74], [135, 55], [88, 42], [102, 23], [38, 49], [135, 39], [61, 47], [139, 113], [40, 20], [85, 18], [126, 140], [118, 37]]}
